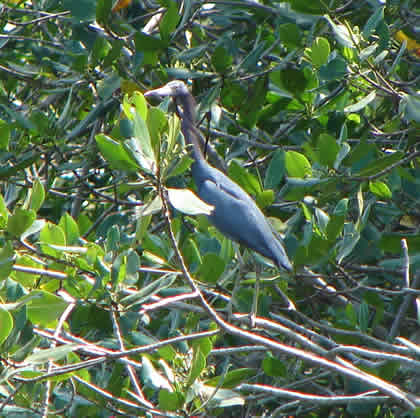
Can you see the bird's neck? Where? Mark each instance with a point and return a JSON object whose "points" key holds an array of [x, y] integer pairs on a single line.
{"points": [[189, 130], [189, 107]]}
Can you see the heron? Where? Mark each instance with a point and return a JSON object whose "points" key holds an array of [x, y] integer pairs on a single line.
{"points": [[235, 213]]}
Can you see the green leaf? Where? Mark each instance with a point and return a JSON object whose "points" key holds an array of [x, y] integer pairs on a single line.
{"points": [[363, 316], [274, 367], [346, 245], [51, 354], [6, 321], [157, 123], [204, 345], [45, 308], [70, 229], [221, 59], [4, 213], [187, 202], [320, 52], [7, 259], [265, 198], [336, 69], [313, 7], [4, 135], [342, 34], [256, 100], [211, 268], [115, 153], [103, 11], [232, 378], [373, 22], [37, 196], [113, 238], [382, 164], [169, 21], [198, 365], [244, 178], [409, 108], [293, 81], [380, 189], [327, 150], [108, 85], [148, 43], [83, 10], [276, 170], [170, 401], [297, 165], [290, 35], [52, 235], [142, 111], [20, 221], [147, 291], [335, 227], [361, 103]]}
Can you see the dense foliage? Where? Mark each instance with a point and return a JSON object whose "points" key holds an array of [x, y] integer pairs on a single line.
{"points": [[116, 297]]}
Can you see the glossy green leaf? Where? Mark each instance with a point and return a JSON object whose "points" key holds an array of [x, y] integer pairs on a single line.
{"points": [[147, 291], [52, 235], [70, 229], [115, 153], [273, 366], [380, 189], [20, 221], [320, 51], [328, 150], [37, 196], [342, 34], [276, 170], [361, 103], [6, 321], [363, 316], [211, 268], [409, 108], [83, 10], [297, 165], [232, 378], [315, 7], [7, 259], [169, 21], [382, 164], [373, 21], [51, 354], [45, 308], [4, 135], [335, 69], [170, 401], [244, 178], [290, 35], [148, 43], [198, 365], [221, 59], [108, 86], [350, 239]]}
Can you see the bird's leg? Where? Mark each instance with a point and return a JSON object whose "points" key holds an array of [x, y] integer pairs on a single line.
{"points": [[236, 284], [254, 310]]}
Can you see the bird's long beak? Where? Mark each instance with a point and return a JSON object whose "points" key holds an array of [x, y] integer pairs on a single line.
{"points": [[160, 92]]}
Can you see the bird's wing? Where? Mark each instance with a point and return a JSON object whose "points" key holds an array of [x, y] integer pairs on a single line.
{"points": [[240, 220]]}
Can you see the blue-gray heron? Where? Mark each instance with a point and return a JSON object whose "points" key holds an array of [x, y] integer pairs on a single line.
{"points": [[235, 213]]}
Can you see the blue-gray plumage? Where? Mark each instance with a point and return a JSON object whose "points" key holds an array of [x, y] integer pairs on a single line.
{"points": [[235, 213]]}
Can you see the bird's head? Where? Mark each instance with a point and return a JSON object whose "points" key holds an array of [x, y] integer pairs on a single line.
{"points": [[174, 88]]}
